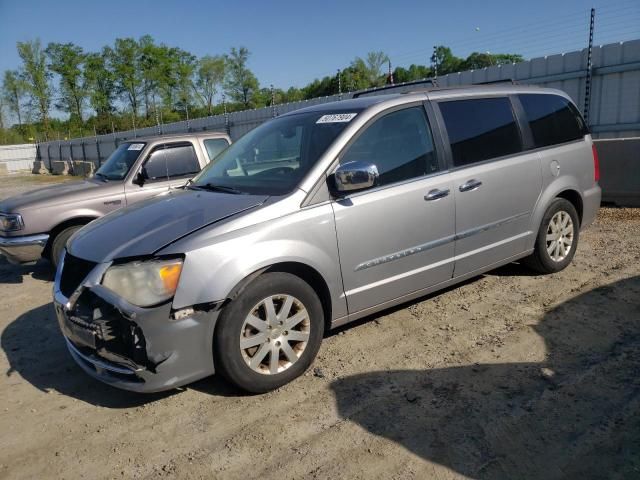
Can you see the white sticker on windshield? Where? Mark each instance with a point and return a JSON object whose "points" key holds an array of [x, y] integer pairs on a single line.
{"points": [[136, 146], [336, 118]]}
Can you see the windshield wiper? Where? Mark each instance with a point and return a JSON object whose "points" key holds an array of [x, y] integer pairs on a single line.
{"points": [[218, 188], [102, 175]]}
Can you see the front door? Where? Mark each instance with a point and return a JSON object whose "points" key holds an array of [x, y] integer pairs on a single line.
{"points": [[397, 237], [168, 166], [496, 184]]}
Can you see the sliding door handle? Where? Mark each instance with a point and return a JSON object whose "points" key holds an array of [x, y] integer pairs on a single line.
{"points": [[470, 185], [436, 194]]}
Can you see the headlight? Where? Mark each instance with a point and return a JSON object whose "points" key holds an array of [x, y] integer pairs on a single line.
{"points": [[144, 283], [11, 222]]}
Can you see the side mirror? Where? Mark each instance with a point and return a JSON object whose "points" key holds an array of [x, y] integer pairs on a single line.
{"points": [[140, 178], [352, 176]]}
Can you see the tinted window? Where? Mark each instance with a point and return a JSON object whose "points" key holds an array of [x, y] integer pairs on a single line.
{"points": [[399, 144], [172, 162], [480, 129], [553, 119], [120, 162], [214, 146]]}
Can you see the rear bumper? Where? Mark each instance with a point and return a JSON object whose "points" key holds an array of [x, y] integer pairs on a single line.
{"points": [[137, 349], [23, 249], [591, 204]]}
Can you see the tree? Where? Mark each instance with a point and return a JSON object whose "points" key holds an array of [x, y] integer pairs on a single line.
{"points": [[128, 79], [446, 61], [371, 68], [100, 84], [209, 77], [36, 79], [66, 60], [185, 67], [240, 82], [13, 90]]}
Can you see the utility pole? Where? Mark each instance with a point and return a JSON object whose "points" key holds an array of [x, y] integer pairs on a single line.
{"points": [[226, 115], [390, 73], [274, 111], [340, 84], [434, 62], [587, 83]]}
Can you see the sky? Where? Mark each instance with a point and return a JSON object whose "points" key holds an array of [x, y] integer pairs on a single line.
{"points": [[293, 42]]}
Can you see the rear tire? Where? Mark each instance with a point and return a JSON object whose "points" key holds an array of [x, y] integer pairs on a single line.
{"points": [[557, 238], [60, 241], [270, 334]]}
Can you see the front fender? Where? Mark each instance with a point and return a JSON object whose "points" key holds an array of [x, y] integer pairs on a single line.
{"points": [[211, 272]]}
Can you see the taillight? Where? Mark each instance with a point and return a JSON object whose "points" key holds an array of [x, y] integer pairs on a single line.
{"points": [[596, 164]]}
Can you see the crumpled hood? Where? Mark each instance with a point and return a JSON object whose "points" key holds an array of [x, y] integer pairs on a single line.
{"points": [[148, 226], [52, 195]]}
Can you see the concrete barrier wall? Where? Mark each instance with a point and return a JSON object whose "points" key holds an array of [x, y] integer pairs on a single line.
{"points": [[620, 171]]}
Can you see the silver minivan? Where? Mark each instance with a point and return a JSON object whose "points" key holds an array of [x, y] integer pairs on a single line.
{"points": [[320, 217]]}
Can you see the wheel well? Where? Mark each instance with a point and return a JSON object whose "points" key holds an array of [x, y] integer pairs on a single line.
{"points": [[58, 228], [575, 198], [300, 270]]}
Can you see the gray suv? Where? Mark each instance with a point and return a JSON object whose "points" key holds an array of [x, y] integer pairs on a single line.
{"points": [[39, 223], [318, 218]]}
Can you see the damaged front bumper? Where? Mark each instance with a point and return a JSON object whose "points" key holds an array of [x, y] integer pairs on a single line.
{"points": [[138, 349]]}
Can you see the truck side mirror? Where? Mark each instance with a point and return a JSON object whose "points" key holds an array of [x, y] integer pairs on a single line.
{"points": [[140, 178]]}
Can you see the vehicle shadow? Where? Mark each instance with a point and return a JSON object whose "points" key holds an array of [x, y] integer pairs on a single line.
{"points": [[10, 273], [575, 415], [36, 350]]}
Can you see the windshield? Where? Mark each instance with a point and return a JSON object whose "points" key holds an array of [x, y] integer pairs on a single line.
{"points": [[120, 161], [274, 157]]}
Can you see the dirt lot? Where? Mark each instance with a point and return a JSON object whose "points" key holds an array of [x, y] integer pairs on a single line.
{"points": [[510, 375]]}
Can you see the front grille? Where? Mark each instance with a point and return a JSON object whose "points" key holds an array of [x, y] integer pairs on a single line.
{"points": [[74, 271]]}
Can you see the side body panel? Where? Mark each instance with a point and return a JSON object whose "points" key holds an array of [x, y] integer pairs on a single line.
{"points": [[493, 221], [392, 241]]}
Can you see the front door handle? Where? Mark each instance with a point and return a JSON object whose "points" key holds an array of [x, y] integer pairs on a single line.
{"points": [[436, 194], [470, 185]]}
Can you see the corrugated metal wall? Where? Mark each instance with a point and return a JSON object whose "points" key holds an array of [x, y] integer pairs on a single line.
{"points": [[614, 112]]}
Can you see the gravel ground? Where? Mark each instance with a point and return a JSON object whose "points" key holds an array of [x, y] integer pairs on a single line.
{"points": [[510, 375]]}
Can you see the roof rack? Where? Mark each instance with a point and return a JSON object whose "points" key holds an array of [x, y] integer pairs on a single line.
{"points": [[432, 81], [493, 82]]}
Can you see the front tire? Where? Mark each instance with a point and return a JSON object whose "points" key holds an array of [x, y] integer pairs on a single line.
{"points": [[270, 334], [557, 239], [60, 241]]}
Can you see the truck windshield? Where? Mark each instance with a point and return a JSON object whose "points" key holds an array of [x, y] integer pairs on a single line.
{"points": [[274, 157], [120, 161]]}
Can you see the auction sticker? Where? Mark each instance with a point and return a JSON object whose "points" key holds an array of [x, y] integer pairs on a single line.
{"points": [[136, 146], [336, 118]]}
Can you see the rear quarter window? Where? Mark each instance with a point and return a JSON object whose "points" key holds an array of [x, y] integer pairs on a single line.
{"points": [[480, 129], [552, 119]]}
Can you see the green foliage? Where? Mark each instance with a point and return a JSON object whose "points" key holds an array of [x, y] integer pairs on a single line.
{"points": [[209, 77], [67, 61], [36, 79], [142, 83], [240, 84], [13, 89]]}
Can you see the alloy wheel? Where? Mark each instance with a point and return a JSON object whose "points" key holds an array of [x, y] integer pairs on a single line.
{"points": [[274, 334]]}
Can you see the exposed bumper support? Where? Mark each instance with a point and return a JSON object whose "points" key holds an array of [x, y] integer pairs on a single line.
{"points": [[23, 249]]}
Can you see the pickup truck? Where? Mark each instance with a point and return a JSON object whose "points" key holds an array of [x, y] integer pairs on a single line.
{"points": [[37, 224]]}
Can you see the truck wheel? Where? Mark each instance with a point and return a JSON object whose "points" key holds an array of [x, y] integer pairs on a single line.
{"points": [[557, 239], [59, 242], [269, 334]]}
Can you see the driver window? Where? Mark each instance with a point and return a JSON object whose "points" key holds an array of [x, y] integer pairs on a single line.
{"points": [[399, 144], [178, 161]]}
